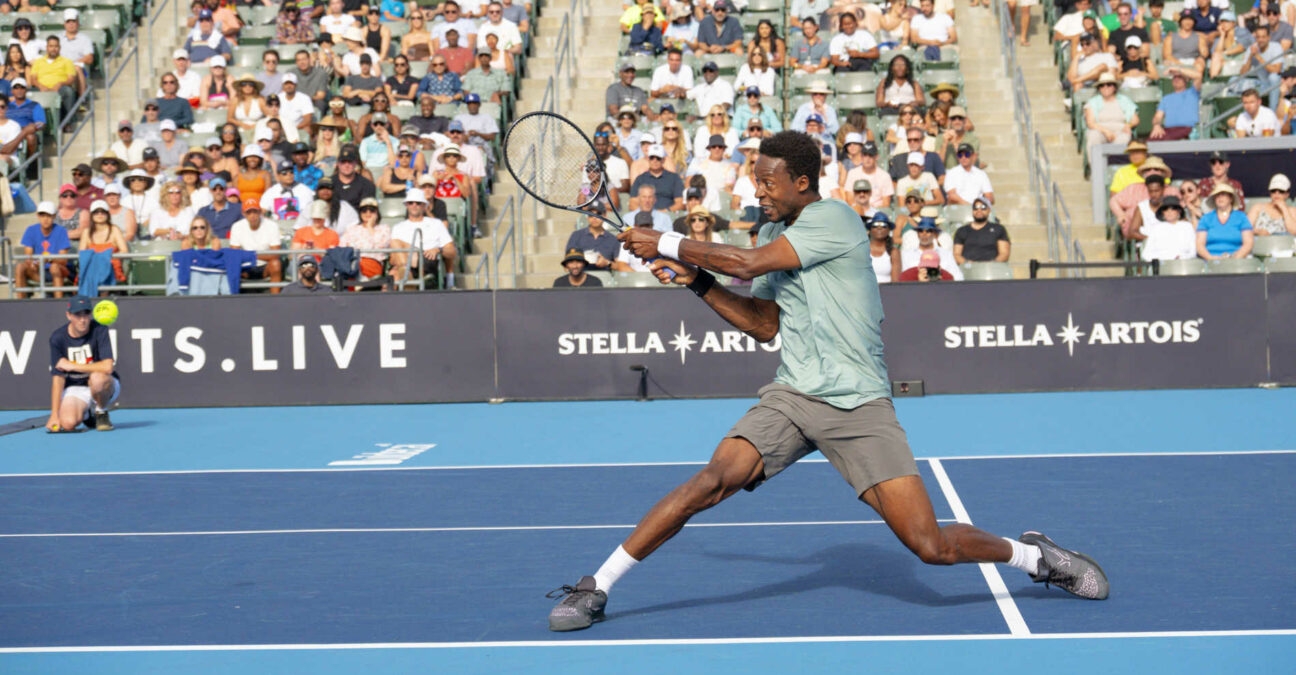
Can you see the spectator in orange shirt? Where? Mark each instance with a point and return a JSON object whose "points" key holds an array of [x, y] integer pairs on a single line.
{"points": [[317, 236]]}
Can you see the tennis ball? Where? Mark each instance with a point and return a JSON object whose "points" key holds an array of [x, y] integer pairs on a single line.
{"points": [[105, 312]]}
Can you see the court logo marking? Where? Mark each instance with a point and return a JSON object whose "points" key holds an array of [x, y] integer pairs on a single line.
{"points": [[390, 455]]}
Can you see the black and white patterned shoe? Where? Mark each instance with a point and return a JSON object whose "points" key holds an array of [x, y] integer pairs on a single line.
{"points": [[1075, 573], [580, 607]]}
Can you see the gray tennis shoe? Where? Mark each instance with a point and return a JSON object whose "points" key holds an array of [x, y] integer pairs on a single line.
{"points": [[579, 608], [1075, 573]]}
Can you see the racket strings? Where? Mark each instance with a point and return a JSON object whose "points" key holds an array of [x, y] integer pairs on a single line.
{"points": [[551, 159]]}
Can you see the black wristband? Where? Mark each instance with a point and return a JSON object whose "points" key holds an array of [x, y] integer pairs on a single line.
{"points": [[702, 283]]}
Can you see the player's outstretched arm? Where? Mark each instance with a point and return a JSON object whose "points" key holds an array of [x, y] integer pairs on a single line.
{"points": [[756, 317], [744, 263]]}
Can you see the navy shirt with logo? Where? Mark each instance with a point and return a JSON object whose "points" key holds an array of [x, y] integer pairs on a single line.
{"points": [[89, 348]]}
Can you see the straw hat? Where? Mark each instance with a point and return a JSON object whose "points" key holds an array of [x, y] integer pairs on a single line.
{"points": [[1155, 163], [702, 211], [98, 163], [945, 86], [1223, 188], [248, 78]]}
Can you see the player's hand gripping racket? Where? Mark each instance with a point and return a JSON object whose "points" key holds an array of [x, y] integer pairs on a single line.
{"points": [[555, 162]]}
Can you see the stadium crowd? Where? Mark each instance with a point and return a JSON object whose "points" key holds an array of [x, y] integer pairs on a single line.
{"points": [[379, 138], [1177, 71], [878, 86]]}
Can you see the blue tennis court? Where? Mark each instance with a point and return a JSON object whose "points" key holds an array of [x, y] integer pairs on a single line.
{"points": [[417, 538]]}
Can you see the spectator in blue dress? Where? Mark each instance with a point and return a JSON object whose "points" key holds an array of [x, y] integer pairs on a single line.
{"points": [[1225, 232], [646, 37]]}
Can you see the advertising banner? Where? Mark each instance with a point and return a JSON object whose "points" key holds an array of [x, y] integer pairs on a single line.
{"points": [[1282, 328], [582, 344], [1083, 334], [271, 350]]}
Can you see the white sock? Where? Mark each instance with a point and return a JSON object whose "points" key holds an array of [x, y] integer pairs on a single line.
{"points": [[1025, 557], [617, 565]]}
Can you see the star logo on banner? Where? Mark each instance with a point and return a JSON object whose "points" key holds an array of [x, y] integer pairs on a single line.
{"points": [[682, 342], [1070, 335]]}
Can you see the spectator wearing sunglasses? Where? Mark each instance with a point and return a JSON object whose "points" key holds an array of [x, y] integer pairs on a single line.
{"points": [[982, 239], [753, 111], [966, 183]]}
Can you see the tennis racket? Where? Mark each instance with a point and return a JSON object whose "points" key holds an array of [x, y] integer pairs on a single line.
{"points": [[555, 162]]}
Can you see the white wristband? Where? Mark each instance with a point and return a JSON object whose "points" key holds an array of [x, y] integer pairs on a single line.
{"points": [[669, 245]]}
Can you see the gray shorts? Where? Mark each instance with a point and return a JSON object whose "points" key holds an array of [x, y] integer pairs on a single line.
{"points": [[866, 445]]}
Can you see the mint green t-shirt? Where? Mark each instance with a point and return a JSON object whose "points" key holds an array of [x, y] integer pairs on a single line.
{"points": [[830, 319]]}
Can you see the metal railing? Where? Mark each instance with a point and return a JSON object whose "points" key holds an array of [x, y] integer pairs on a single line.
{"points": [[1050, 207], [44, 288], [6, 251], [132, 37], [1256, 73], [505, 238]]}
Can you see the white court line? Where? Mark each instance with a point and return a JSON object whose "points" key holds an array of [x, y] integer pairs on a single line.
{"points": [[658, 642], [364, 530], [1016, 624], [595, 465]]}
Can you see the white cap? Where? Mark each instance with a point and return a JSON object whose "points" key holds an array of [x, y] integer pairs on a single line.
{"points": [[854, 137], [46, 207], [180, 54], [290, 77], [70, 14], [113, 189], [167, 125], [1133, 41], [251, 150], [97, 205], [752, 143], [1279, 182], [452, 149], [415, 197], [917, 158], [217, 61], [319, 209], [19, 82], [656, 150], [647, 138], [263, 134]]}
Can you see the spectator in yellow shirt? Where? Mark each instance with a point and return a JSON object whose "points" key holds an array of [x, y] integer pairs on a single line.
{"points": [[54, 72]]}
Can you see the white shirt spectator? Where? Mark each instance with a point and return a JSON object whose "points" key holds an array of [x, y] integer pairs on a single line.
{"points": [[1069, 26], [473, 163], [936, 28], [293, 110], [434, 233], [701, 137], [969, 183], [925, 182], [860, 41], [617, 170], [273, 204], [763, 80], [200, 198], [190, 85], [909, 258], [161, 220], [1086, 64], [745, 190], [719, 175], [635, 262], [663, 77], [76, 48], [336, 25], [1168, 241], [9, 130], [133, 155], [351, 61], [1264, 120], [719, 92], [467, 30], [266, 237], [506, 30]]}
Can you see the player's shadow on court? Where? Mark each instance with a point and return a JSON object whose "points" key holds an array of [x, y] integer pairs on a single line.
{"points": [[134, 424], [859, 567]]}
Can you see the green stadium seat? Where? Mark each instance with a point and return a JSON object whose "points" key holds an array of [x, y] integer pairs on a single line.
{"points": [[1280, 265], [392, 209], [1182, 268], [957, 214], [863, 101], [855, 83], [604, 276], [256, 35], [638, 280], [987, 271], [1235, 266], [1274, 245]]}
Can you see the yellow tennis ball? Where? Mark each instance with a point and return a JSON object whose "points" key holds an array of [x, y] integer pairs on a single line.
{"points": [[105, 312]]}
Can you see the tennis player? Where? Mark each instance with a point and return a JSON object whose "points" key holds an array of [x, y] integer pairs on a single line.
{"points": [[812, 284], [84, 383]]}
